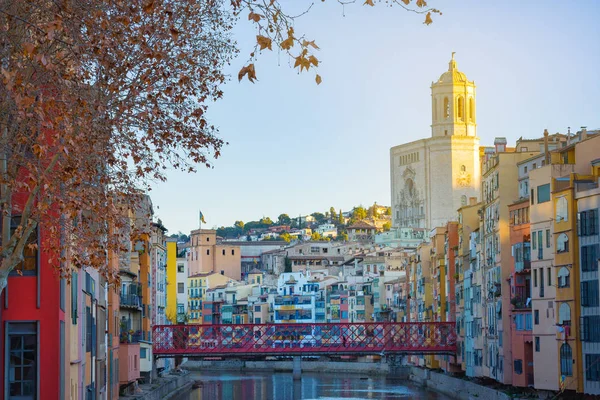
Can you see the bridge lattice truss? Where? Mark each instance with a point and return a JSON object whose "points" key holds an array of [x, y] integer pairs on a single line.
{"points": [[248, 340]]}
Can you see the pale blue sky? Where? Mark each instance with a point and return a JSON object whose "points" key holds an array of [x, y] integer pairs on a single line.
{"points": [[296, 147]]}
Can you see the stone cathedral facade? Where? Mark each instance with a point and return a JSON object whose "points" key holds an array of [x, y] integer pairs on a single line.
{"points": [[432, 178]]}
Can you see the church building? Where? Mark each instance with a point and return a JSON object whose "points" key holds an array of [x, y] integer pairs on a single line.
{"points": [[432, 178]]}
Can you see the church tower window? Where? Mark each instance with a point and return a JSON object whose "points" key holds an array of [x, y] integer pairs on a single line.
{"points": [[446, 108], [471, 109], [461, 108]]}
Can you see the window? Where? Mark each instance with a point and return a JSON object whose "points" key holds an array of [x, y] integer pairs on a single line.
{"points": [[587, 223], [471, 109], [23, 360], [535, 278], [208, 239], [537, 344], [232, 252], [562, 243], [223, 251], [525, 169], [564, 278], [590, 328], [564, 314], [142, 353], [549, 276], [180, 268], [208, 252], [518, 367], [562, 209], [566, 360], [536, 317], [222, 272], [30, 254], [592, 367], [461, 108], [531, 198], [446, 108], [180, 287], [543, 193], [589, 293], [589, 258], [74, 297], [547, 237]]}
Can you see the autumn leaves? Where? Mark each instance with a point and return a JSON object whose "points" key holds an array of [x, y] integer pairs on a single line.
{"points": [[275, 29]]}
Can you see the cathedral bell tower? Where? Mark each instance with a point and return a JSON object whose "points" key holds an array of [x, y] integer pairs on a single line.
{"points": [[453, 104]]}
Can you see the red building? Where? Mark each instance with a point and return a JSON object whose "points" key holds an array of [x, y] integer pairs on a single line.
{"points": [[520, 292], [33, 328]]}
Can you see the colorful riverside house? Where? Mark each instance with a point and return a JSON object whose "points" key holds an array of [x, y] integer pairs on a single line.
{"points": [[173, 283], [544, 308], [33, 328], [577, 292], [520, 294], [499, 189], [568, 297], [468, 221], [158, 265], [114, 330], [197, 287], [588, 231]]}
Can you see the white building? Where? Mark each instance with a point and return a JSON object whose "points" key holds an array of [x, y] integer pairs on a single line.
{"points": [[182, 288], [432, 178], [327, 230]]}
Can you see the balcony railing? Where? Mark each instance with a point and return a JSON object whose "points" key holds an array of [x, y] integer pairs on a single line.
{"points": [[131, 300], [521, 266], [292, 300], [131, 337]]}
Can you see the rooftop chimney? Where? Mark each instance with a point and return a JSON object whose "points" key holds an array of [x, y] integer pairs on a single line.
{"points": [[546, 152], [568, 135], [583, 133], [500, 144]]}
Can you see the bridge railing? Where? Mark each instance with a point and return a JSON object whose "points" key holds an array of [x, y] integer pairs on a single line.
{"points": [[317, 338]]}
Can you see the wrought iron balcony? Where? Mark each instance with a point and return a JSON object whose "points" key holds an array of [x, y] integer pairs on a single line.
{"points": [[131, 300]]}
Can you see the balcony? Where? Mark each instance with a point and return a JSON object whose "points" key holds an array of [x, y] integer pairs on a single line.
{"points": [[521, 266], [292, 300], [131, 301]]}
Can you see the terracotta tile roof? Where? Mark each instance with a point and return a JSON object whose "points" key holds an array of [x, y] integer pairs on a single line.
{"points": [[361, 225]]}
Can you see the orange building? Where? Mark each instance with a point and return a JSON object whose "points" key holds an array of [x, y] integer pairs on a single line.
{"points": [[206, 255]]}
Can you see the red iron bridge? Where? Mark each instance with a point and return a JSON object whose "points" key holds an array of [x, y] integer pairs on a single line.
{"points": [[306, 339]]}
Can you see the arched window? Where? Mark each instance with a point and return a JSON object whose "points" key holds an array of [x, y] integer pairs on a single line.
{"points": [[446, 108], [566, 360], [562, 212], [562, 243], [564, 314], [460, 108], [463, 168], [434, 109], [564, 279], [471, 109], [463, 200]]}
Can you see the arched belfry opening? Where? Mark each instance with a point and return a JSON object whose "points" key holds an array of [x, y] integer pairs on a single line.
{"points": [[456, 96]]}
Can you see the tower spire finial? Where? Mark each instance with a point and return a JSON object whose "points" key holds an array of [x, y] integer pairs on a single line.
{"points": [[452, 63]]}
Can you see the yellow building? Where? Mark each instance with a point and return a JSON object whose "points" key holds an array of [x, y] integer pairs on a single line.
{"points": [[574, 295], [197, 285], [171, 308]]}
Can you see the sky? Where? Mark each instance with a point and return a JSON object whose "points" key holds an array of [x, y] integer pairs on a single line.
{"points": [[296, 148]]}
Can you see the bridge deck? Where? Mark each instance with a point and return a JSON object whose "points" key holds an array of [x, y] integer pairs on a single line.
{"points": [[249, 340]]}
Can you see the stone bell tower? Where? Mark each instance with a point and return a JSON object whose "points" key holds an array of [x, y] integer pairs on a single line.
{"points": [[453, 104]]}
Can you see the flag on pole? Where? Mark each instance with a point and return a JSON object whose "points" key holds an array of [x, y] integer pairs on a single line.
{"points": [[202, 218]]}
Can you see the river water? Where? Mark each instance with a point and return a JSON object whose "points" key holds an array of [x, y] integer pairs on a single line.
{"points": [[281, 386]]}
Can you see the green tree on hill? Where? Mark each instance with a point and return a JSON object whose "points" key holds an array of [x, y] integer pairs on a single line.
{"points": [[284, 219]]}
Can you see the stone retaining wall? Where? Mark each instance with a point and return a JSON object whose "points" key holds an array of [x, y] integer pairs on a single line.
{"points": [[456, 388], [164, 388]]}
